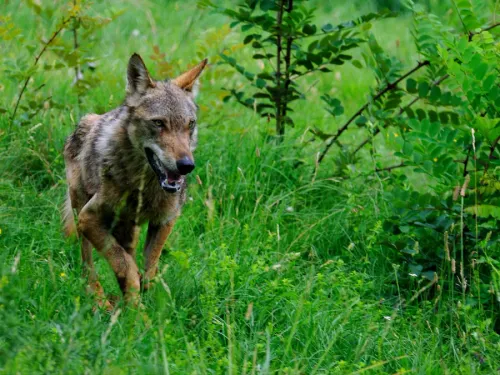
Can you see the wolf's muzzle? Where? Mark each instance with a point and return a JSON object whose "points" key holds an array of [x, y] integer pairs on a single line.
{"points": [[185, 165], [170, 181]]}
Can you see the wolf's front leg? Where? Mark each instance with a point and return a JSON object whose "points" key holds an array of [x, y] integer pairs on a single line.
{"points": [[157, 235], [89, 272], [126, 232], [95, 222]]}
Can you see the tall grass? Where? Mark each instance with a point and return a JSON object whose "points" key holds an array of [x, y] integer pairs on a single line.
{"points": [[267, 270]]}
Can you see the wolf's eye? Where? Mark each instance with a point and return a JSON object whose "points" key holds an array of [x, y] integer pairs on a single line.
{"points": [[192, 124], [158, 123]]}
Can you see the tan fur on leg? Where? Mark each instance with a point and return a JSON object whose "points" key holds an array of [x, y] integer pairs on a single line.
{"points": [[157, 235], [92, 223], [94, 287]]}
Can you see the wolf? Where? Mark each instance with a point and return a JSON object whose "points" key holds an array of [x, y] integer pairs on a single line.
{"points": [[128, 167]]}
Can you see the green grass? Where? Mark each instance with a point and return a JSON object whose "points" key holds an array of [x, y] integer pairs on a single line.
{"points": [[266, 271]]}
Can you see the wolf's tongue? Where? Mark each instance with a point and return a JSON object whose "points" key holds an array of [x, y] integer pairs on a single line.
{"points": [[173, 178]]}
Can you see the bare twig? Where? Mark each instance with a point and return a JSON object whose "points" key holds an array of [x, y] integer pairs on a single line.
{"points": [[492, 151], [279, 126], [75, 46], [461, 20], [387, 88], [389, 169], [37, 58], [76, 20], [288, 55], [466, 161]]}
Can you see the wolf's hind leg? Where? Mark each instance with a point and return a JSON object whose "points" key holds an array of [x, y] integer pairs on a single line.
{"points": [[94, 286], [95, 222], [77, 198], [155, 239]]}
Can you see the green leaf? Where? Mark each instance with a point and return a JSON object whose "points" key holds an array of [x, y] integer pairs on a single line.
{"points": [[309, 29], [480, 71], [249, 75], [455, 119], [327, 28], [443, 117], [246, 27], [434, 129], [361, 120], [433, 116], [415, 269], [407, 148], [357, 64], [435, 93], [423, 89], [339, 110], [266, 5], [485, 211], [428, 166], [429, 275], [260, 83], [411, 85], [421, 115], [489, 82], [417, 157], [248, 39], [409, 112], [489, 127]]}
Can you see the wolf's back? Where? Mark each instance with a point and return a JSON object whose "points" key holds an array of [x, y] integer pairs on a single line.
{"points": [[72, 150], [75, 141]]}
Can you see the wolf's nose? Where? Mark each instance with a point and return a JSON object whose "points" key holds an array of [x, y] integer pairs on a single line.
{"points": [[185, 165]]}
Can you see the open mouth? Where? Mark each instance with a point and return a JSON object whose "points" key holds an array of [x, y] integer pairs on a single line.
{"points": [[169, 181]]}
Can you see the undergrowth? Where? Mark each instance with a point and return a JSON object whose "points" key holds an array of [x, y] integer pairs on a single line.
{"points": [[276, 265]]}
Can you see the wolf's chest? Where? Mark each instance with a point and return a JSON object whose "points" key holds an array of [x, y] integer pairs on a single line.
{"points": [[152, 204]]}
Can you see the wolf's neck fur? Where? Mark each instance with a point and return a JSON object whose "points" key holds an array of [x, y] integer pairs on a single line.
{"points": [[124, 162]]}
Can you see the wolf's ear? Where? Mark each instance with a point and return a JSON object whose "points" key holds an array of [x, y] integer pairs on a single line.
{"points": [[138, 79], [188, 81]]}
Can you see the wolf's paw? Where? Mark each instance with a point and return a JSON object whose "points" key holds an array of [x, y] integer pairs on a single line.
{"points": [[146, 285], [104, 305]]}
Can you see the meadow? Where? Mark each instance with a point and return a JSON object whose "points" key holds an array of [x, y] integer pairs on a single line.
{"points": [[275, 265]]}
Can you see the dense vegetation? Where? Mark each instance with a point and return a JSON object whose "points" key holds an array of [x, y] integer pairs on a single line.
{"points": [[344, 216]]}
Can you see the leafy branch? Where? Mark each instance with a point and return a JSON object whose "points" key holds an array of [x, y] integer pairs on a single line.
{"points": [[390, 86], [387, 88], [491, 153], [280, 129], [390, 168], [37, 58], [401, 111], [278, 37]]}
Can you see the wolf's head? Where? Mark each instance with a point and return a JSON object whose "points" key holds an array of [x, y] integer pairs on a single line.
{"points": [[163, 120]]}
